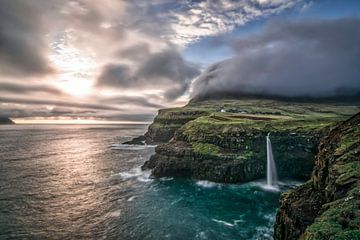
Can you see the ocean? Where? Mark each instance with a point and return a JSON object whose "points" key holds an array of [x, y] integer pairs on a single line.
{"points": [[80, 182]]}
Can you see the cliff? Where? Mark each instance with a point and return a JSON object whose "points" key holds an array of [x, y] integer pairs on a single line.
{"points": [[224, 140], [4, 120], [328, 206]]}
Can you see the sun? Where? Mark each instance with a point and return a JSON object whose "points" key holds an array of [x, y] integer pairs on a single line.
{"points": [[76, 67], [75, 87]]}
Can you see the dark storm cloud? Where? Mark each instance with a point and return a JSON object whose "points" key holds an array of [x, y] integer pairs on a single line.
{"points": [[116, 75], [167, 64], [21, 39], [29, 88], [309, 58], [155, 70]]}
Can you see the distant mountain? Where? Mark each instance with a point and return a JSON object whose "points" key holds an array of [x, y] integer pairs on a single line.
{"points": [[4, 120]]}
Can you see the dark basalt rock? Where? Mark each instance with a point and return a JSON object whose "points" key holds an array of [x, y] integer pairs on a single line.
{"points": [[4, 120], [327, 206], [141, 140], [239, 159]]}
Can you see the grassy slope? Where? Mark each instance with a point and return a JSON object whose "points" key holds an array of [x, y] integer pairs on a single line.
{"points": [[264, 115], [259, 113]]}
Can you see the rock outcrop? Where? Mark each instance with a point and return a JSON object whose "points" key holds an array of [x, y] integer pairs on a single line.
{"points": [[4, 120], [234, 156], [327, 207], [224, 140], [166, 123]]}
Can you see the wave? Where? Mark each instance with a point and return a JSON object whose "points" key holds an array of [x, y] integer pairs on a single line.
{"points": [[137, 173], [233, 224], [166, 179], [207, 184], [114, 214], [266, 232], [130, 199], [282, 185], [131, 147]]}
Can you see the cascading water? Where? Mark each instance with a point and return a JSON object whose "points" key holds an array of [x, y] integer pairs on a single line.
{"points": [[271, 174]]}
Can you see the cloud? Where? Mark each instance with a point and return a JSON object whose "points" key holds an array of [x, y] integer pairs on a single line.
{"points": [[116, 75], [133, 100], [193, 20], [23, 111], [22, 43], [317, 58], [58, 103], [167, 65], [17, 88], [166, 69], [132, 48]]}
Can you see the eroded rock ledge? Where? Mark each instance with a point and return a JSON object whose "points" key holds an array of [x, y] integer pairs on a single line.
{"points": [[328, 206]]}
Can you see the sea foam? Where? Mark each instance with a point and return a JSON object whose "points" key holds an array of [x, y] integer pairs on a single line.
{"points": [[207, 184], [131, 147], [137, 173]]}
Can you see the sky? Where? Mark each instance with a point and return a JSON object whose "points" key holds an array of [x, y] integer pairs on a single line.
{"points": [[85, 61]]}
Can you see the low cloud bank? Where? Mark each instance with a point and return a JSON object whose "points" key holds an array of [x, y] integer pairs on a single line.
{"points": [[290, 59]]}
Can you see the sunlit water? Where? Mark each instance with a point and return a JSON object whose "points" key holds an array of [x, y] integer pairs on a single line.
{"points": [[76, 182]]}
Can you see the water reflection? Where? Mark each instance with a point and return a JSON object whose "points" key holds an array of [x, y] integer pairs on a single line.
{"points": [[55, 183]]}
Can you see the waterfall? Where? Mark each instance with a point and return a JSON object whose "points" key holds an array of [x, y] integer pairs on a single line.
{"points": [[271, 175]]}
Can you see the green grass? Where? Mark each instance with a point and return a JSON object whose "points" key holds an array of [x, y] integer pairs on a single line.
{"points": [[259, 115], [206, 117], [205, 149]]}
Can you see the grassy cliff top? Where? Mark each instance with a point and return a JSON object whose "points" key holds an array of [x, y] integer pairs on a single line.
{"points": [[261, 114]]}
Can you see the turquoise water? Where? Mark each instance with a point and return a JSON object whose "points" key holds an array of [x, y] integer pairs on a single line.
{"points": [[75, 182], [187, 209]]}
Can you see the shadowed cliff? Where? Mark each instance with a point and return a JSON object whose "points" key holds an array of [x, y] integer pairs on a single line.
{"points": [[328, 206]]}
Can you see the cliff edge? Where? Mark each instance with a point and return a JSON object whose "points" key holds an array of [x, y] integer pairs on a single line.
{"points": [[224, 140], [328, 206]]}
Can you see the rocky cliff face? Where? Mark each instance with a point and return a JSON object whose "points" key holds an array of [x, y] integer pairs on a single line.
{"points": [[234, 156], [328, 206], [168, 121], [224, 140]]}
